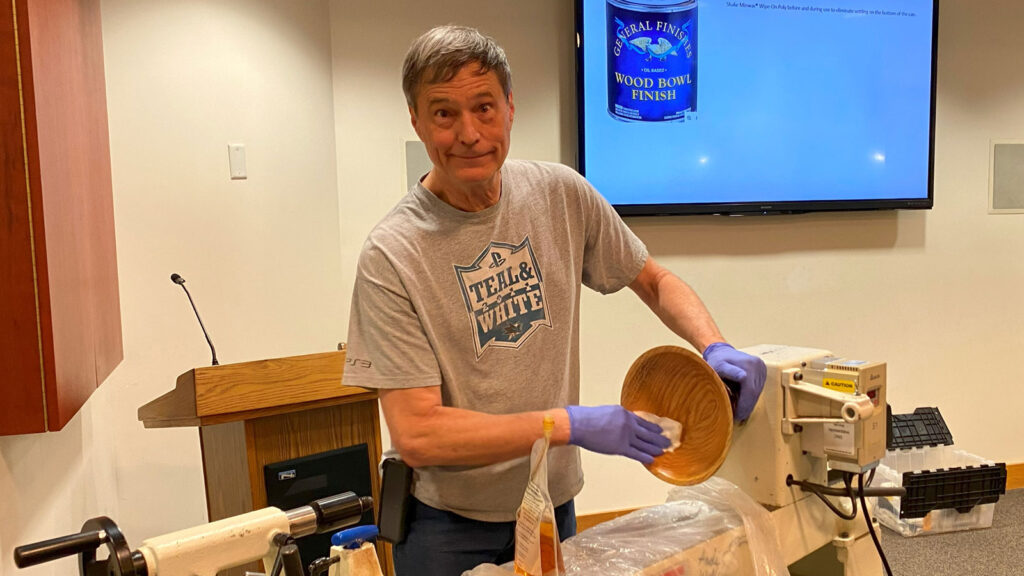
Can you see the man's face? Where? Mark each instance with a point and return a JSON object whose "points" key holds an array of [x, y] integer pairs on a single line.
{"points": [[465, 125]]}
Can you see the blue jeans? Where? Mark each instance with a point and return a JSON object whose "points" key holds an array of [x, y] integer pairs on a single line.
{"points": [[440, 543]]}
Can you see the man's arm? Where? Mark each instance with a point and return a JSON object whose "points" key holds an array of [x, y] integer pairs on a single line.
{"points": [[676, 304], [427, 433], [679, 308]]}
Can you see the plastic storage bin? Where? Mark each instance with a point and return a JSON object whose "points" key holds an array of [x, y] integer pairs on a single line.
{"points": [[947, 490]]}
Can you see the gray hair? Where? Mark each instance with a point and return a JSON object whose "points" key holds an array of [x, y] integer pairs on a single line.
{"points": [[439, 54]]}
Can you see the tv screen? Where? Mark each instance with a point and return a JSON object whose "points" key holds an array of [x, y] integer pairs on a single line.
{"points": [[736, 107]]}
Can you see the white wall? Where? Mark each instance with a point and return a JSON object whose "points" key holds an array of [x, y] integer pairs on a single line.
{"points": [[261, 256], [916, 289]]}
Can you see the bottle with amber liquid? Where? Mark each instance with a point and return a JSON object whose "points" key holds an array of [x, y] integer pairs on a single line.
{"points": [[538, 549]]}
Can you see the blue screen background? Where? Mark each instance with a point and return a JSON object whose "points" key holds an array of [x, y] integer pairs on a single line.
{"points": [[792, 105]]}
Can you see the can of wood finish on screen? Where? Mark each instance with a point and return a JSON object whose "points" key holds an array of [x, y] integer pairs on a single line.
{"points": [[652, 60]]}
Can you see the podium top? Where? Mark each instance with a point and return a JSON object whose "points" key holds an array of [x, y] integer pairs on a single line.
{"points": [[218, 394]]}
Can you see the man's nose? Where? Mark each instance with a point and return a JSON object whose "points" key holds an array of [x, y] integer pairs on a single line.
{"points": [[467, 131]]}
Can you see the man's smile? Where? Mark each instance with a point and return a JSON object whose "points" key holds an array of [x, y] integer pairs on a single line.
{"points": [[472, 156]]}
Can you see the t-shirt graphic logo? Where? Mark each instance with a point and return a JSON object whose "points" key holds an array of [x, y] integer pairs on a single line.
{"points": [[504, 295]]}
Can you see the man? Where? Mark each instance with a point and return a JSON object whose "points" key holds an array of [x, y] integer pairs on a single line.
{"points": [[465, 315]]}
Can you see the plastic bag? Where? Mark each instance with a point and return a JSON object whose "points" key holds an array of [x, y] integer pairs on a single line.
{"points": [[538, 551], [710, 528], [762, 536]]}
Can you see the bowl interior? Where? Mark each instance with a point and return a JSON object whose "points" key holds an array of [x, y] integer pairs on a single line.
{"points": [[676, 383]]}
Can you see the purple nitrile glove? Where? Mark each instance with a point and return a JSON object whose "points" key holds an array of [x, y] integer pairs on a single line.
{"points": [[748, 372], [617, 431]]}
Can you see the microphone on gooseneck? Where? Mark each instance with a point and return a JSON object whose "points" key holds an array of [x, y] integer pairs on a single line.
{"points": [[177, 279]]}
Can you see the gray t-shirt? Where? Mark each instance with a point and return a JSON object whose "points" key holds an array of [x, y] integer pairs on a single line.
{"points": [[486, 306]]}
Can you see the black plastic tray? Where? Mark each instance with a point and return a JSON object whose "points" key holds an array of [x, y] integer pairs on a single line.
{"points": [[959, 488], [925, 427]]}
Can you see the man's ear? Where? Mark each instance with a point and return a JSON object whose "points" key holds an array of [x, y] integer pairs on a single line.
{"points": [[511, 110], [412, 119]]}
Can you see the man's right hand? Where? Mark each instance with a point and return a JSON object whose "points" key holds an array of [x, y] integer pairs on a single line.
{"points": [[617, 431]]}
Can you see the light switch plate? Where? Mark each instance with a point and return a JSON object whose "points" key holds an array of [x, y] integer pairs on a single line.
{"points": [[236, 161]]}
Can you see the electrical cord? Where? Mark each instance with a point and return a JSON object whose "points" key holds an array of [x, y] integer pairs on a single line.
{"points": [[821, 491], [848, 480], [830, 491], [848, 491], [871, 526]]}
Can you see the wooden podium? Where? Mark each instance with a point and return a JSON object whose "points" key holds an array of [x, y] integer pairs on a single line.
{"points": [[256, 413]]}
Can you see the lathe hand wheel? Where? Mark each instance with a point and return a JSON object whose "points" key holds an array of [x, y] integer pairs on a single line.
{"points": [[95, 532], [119, 563]]}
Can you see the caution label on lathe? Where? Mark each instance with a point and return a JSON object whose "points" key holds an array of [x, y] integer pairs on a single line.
{"points": [[839, 385]]}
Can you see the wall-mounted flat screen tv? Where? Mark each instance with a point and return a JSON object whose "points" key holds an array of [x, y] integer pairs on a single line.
{"points": [[742, 107]]}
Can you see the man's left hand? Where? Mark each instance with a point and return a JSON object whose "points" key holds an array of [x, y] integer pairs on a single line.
{"points": [[749, 372]]}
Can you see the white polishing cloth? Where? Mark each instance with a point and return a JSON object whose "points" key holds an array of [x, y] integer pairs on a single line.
{"points": [[669, 428]]}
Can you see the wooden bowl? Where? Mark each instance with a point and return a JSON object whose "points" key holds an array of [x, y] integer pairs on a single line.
{"points": [[675, 383]]}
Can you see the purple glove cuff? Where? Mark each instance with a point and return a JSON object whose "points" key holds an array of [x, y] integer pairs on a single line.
{"points": [[572, 411]]}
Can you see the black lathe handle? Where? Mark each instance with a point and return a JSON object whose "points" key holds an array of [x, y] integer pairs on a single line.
{"points": [[32, 554]]}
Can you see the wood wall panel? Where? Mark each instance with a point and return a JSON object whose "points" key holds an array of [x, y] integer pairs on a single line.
{"points": [[73, 168], [72, 320], [20, 352]]}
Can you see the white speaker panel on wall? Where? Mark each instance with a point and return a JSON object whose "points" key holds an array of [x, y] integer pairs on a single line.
{"points": [[417, 163], [1006, 177]]}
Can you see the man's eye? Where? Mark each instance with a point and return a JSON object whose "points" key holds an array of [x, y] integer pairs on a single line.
{"points": [[441, 114], [486, 107]]}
